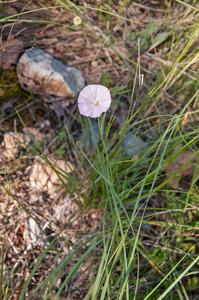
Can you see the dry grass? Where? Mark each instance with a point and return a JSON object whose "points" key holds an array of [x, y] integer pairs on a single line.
{"points": [[112, 58]]}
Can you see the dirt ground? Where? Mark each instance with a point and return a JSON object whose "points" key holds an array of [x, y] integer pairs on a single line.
{"points": [[55, 209]]}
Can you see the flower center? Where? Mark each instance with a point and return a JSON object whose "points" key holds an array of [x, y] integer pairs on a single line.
{"points": [[96, 103]]}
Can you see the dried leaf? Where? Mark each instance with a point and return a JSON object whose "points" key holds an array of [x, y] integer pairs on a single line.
{"points": [[44, 178], [160, 38], [12, 142], [177, 164], [9, 54], [35, 133], [34, 235]]}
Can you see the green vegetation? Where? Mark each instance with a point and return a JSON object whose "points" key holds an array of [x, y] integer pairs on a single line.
{"points": [[145, 246]]}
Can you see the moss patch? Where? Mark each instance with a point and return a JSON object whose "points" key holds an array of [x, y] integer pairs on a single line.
{"points": [[13, 98], [9, 85]]}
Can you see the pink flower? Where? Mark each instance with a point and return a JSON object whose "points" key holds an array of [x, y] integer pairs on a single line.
{"points": [[93, 100]]}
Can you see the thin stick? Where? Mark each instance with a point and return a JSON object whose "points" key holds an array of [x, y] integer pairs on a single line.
{"points": [[139, 60], [15, 126]]}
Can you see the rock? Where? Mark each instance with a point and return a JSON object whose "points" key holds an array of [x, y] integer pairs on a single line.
{"points": [[33, 235], [42, 74], [134, 145], [9, 53], [44, 178]]}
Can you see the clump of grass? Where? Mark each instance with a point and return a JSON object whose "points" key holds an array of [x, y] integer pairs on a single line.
{"points": [[145, 246]]}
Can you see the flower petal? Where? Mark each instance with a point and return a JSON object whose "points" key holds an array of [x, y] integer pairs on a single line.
{"points": [[94, 100], [89, 93], [95, 112]]}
